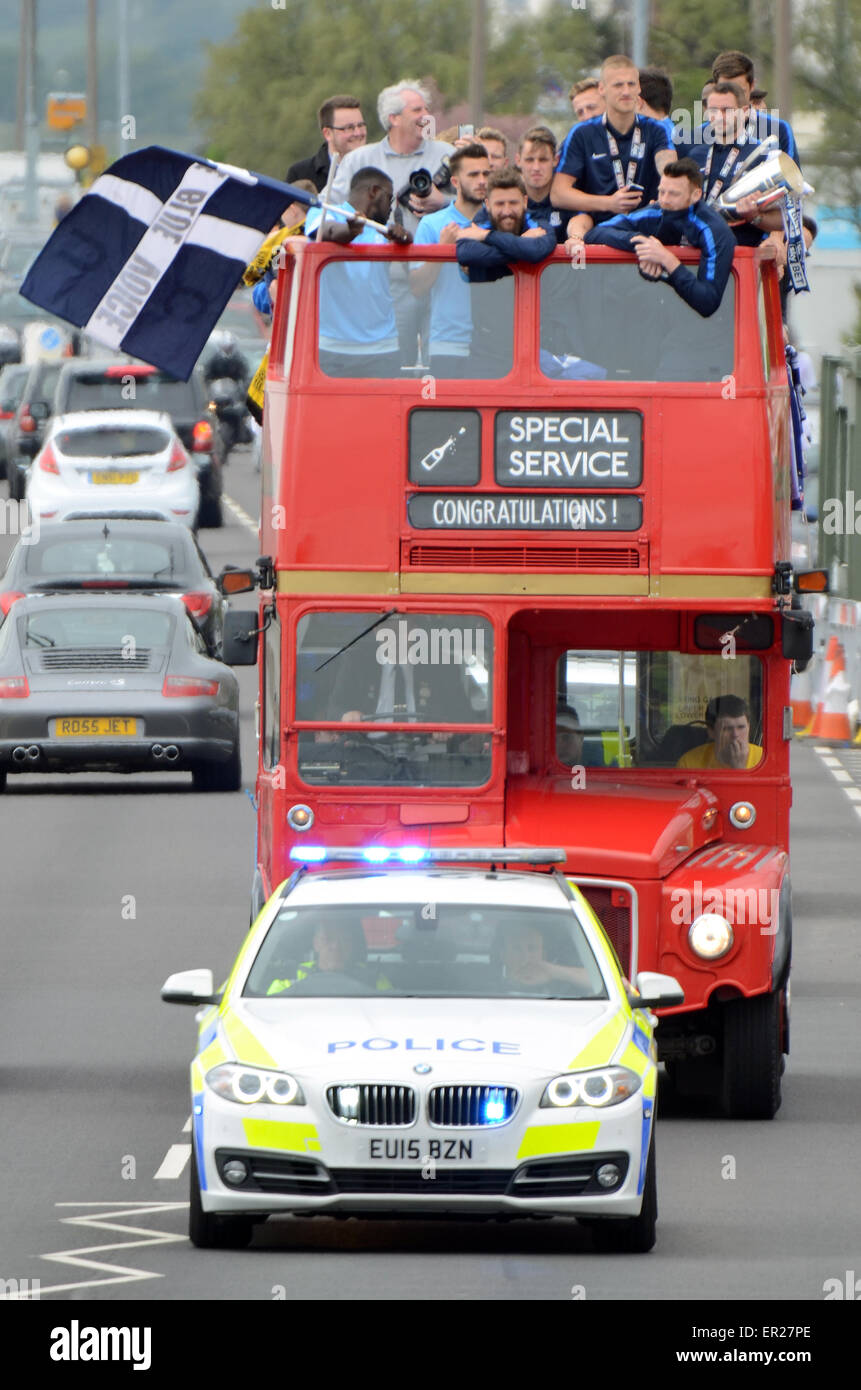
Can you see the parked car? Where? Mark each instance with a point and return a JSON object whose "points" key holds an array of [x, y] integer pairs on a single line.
{"points": [[139, 556], [115, 683], [28, 429], [109, 385], [113, 462], [12, 381]]}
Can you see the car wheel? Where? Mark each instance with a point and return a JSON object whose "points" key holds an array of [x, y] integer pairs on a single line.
{"points": [[752, 1055], [210, 513], [219, 777], [631, 1235], [207, 1230]]}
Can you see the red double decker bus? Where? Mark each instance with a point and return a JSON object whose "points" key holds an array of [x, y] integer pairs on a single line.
{"points": [[509, 607]]}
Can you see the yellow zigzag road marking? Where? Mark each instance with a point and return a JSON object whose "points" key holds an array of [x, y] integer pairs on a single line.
{"points": [[101, 1221]]}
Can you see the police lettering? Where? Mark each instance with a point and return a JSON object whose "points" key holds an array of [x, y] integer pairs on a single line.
{"points": [[502, 1049]]}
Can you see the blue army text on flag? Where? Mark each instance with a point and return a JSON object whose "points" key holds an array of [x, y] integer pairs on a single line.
{"points": [[147, 260]]}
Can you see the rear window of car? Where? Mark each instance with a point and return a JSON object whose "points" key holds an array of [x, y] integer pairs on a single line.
{"points": [[128, 391], [109, 557], [110, 442], [126, 628]]}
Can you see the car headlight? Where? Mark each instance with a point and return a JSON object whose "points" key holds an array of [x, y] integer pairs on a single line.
{"points": [[606, 1086], [710, 935], [253, 1085]]}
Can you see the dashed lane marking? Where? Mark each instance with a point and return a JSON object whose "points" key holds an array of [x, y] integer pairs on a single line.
{"points": [[105, 1218], [174, 1162], [242, 516], [847, 777]]}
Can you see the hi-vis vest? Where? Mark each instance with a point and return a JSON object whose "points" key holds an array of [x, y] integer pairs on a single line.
{"points": [[309, 967]]}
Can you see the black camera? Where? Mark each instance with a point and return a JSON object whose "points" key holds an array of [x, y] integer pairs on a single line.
{"points": [[418, 185]]}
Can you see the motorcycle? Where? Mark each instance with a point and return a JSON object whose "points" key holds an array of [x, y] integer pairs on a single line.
{"points": [[227, 401]]}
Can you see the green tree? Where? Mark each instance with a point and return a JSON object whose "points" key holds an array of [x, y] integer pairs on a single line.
{"points": [[687, 35], [831, 84], [262, 88]]}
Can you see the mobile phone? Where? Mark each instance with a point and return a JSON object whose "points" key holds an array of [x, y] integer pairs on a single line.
{"points": [[464, 131], [636, 187]]}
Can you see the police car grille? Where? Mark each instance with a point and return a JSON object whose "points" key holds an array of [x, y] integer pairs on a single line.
{"points": [[454, 1106], [614, 918], [460, 1181], [97, 659], [373, 1104]]}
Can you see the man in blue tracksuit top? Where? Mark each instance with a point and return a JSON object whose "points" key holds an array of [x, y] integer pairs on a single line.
{"points": [[503, 232], [680, 214]]}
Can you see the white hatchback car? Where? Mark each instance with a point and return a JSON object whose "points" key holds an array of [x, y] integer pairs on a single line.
{"points": [[113, 462]]}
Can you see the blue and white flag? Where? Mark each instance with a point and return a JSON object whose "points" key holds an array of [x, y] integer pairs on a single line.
{"points": [[149, 257]]}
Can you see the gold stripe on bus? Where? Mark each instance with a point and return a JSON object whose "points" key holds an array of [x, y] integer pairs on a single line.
{"points": [[657, 586], [337, 582], [738, 586], [624, 585]]}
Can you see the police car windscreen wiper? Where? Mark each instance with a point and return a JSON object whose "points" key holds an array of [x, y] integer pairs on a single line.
{"points": [[347, 645]]}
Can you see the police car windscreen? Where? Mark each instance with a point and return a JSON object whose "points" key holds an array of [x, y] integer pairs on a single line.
{"points": [[607, 322], [419, 950]]}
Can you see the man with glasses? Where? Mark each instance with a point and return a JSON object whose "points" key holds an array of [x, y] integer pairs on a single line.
{"points": [[343, 130]]}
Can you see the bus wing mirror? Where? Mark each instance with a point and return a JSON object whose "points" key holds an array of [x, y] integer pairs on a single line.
{"points": [[236, 581], [797, 636], [239, 639]]}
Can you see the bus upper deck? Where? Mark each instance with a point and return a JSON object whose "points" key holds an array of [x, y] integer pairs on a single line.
{"points": [[590, 434]]}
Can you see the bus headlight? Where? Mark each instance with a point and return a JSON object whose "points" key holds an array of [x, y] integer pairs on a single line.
{"points": [[710, 936], [742, 815]]}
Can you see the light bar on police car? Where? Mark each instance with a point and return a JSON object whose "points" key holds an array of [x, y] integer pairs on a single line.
{"points": [[423, 854]]}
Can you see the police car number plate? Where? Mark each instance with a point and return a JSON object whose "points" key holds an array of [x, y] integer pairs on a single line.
{"points": [[386, 1149]]}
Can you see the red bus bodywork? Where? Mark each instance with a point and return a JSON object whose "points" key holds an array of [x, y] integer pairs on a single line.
{"points": [[715, 528]]}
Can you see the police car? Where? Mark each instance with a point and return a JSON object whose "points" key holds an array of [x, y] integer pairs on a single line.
{"points": [[425, 1036]]}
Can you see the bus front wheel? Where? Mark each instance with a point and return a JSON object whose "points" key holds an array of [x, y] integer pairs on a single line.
{"points": [[752, 1057]]}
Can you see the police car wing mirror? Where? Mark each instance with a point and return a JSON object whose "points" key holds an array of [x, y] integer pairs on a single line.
{"points": [[655, 991], [190, 987], [236, 581], [239, 639]]}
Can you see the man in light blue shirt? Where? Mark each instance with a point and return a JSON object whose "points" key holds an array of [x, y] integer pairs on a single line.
{"points": [[358, 333], [451, 317]]}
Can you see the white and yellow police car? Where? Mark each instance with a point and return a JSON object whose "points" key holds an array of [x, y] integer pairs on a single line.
{"points": [[425, 1033]]}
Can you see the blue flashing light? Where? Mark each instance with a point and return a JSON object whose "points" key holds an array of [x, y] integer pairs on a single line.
{"points": [[494, 1109], [412, 854], [377, 854], [309, 854]]}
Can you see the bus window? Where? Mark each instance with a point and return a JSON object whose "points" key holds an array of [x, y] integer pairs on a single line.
{"points": [[428, 668], [271, 693], [608, 322], [470, 328], [658, 709]]}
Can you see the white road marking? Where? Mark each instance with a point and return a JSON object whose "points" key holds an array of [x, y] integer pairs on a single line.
{"points": [[186, 1129], [854, 793], [174, 1161], [240, 513], [841, 775], [101, 1221]]}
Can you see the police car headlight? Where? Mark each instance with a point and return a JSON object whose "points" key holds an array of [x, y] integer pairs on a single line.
{"points": [[710, 935], [252, 1085], [606, 1086]]}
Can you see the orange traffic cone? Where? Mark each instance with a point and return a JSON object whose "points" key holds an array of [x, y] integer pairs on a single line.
{"points": [[800, 691], [831, 724]]}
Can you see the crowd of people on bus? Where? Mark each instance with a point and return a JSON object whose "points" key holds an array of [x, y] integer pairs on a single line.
{"points": [[624, 176]]}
